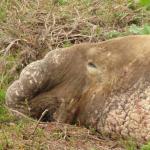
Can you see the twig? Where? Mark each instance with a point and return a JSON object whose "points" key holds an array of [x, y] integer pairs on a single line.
{"points": [[65, 133], [44, 112], [6, 50], [10, 45], [20, 114], [36, 126]]}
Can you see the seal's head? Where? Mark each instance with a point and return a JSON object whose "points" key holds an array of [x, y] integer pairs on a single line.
{"points": [[104, 85]]}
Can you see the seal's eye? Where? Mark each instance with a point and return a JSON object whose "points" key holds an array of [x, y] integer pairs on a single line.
{"points": [[92, 68], [90, 64]]}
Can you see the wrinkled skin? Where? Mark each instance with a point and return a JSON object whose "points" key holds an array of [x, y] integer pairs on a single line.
{"points": [[101, 85]]}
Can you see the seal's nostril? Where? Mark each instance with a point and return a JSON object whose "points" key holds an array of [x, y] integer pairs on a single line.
{"points": [[92, 65]]}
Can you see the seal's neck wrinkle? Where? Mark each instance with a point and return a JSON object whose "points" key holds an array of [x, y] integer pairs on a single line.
{"points": [[126, 113]]}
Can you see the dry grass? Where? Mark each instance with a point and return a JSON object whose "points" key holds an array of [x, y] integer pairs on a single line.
{"points": [[28, 30], [31, 28], [53, 136]]}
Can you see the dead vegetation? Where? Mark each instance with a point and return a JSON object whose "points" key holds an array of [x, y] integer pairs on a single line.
{"points": [[28, 30], [31, 28], [54, 136]]}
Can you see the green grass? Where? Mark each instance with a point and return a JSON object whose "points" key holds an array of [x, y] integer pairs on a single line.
{"points": [[3, 10], [140, 30], [62, 2], [4, 113], [145, 3], [146, 146], [2, 14], [2, 96], [129, 144]]}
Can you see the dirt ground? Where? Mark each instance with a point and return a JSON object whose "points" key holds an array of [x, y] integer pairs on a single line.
{"points": [[54, 136]]}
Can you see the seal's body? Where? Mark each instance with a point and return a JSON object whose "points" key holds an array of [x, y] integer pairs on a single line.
{"points": [[104, 85]]}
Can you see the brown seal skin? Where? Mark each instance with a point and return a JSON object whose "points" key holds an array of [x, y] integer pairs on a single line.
{"points": [[103, 85]]}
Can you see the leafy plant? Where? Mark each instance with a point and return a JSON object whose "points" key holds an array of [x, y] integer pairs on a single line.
{"points": [[145, 3], [62, 2], [146, 146], [139, 30], [113, 34], [67, 44]]}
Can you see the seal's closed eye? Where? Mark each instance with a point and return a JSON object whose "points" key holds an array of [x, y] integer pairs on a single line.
{"points": [[90, 64], [92, 69]]}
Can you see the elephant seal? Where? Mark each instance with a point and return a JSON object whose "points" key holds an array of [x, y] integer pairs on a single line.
{"points": [[103, 85]]}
